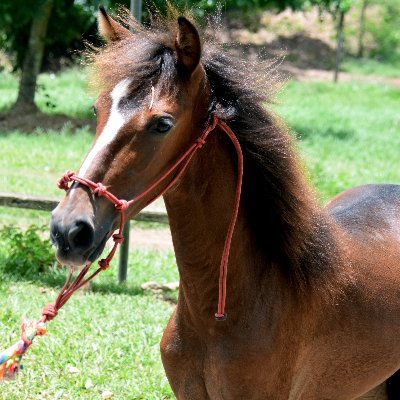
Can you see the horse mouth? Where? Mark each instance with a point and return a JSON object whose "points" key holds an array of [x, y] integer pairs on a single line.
{"points": [[95, 254]]}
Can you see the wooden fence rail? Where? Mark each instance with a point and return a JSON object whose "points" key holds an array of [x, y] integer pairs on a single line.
{"points": [[48, 204]]}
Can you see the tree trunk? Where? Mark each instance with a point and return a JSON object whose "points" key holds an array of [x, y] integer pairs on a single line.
{"points": [[136, 9], [33, 59], [361, 33], [339, 46]]}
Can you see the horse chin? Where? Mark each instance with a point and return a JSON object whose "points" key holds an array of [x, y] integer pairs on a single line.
{"points": [[74, 260], [94, 255]]}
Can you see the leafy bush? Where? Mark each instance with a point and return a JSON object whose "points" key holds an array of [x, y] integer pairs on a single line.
{"points": [[25, 253], [386, 33], [70, 22]]}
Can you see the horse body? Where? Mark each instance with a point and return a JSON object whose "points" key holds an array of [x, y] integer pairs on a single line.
{"points": [[313, 294], [273, 346]]}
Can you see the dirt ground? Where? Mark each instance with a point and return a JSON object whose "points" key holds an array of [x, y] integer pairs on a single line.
{"points": [[31, 121], [150, 239]]}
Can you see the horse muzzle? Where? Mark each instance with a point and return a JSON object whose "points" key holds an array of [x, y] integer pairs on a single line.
{"points": [[79, 235]]}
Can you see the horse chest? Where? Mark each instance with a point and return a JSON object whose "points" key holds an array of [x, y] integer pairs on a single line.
{"points": [[224, 369], [250, 376]]}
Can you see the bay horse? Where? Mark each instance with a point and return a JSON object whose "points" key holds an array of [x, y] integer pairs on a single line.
{"points": [[313, 295]]}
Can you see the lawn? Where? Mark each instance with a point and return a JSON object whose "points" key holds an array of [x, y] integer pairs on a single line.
{"points": [[349, 133], [107, 338], [371, 67]]}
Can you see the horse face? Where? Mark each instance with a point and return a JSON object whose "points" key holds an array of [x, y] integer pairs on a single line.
{"points": [[141, 131]]}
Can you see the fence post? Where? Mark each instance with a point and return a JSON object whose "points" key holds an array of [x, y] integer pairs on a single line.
{"points": [[123, 254], [136, 10]]}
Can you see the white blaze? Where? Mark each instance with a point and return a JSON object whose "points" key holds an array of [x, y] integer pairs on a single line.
{"points": [[115, 122]]}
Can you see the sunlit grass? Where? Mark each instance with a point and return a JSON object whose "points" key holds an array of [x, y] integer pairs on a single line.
{"points": [[62, 93], [112, 340], [368, 66], [349, 133], [110, 334]]}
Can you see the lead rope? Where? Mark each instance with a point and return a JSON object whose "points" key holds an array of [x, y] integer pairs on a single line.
{"points": [[10, 359]]}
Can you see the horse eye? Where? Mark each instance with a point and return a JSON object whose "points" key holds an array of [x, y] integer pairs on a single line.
{"points": [[94, 110], [163, 125]]}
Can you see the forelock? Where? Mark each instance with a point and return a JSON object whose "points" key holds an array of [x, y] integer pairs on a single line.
{"points": [[146, 59]]}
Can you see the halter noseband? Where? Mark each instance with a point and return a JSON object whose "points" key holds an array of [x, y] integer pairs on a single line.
{"points": [[121, 205]]}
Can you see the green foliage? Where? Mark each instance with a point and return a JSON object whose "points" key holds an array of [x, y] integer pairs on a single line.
{"points": [[15, 18], [335, 5], [25, 253], [386, 31], [70, 22], [332, 6]]}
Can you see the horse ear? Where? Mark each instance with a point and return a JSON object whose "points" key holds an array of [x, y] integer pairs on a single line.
{"points": [[111, 30], [188, 46]]}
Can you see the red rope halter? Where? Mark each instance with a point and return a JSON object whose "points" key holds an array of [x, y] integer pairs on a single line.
{"points": [[50, 311]]}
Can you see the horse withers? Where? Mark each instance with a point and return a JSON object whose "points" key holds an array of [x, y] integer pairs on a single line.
{"points": [[313, 295]]}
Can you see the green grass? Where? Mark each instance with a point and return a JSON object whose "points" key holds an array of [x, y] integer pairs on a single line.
{"points": [[349, 135], [33, 163], [366, 66], [63, 93], [110, 333]]}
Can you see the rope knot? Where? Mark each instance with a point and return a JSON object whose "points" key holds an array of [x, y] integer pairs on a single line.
{"points": [[122, 205], [220, 316], [100, 189], [23, 334], [49, 311], [62, 183], [118, 238], [200, 142], [104, 263]]}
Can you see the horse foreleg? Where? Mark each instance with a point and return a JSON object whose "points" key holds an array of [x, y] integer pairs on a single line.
{"points": [[182, 364]]}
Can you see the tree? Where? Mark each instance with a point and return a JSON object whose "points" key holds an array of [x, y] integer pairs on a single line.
{"points": [[338, 9], [361, 33], [44, 30], [339, 44], [33, 58]]}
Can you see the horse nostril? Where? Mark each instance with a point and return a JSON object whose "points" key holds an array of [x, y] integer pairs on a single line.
{"points": [[81, 235]]}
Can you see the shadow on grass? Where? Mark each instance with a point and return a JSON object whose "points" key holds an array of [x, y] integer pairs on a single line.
{"points": [[38, 121], [116, 288], [57, 280], [306, 132]]}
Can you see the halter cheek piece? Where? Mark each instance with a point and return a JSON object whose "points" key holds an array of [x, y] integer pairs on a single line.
{"points": [[50, 311]]}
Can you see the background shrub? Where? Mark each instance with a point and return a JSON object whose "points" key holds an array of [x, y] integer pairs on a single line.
{"points": [[25, 253]]}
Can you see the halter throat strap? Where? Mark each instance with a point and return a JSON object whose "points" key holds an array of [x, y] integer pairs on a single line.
{"points": [[50, 311]]}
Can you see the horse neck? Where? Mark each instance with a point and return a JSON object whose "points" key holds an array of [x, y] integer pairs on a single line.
{"points": [[200, 208]]}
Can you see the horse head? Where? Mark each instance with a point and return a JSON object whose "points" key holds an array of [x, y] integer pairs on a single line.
{"points": [[153, 104]]}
